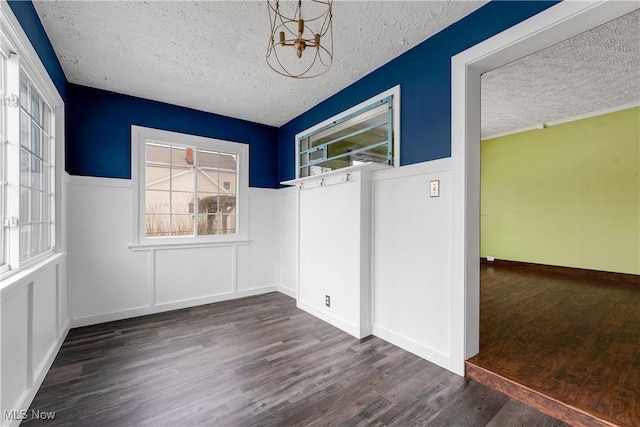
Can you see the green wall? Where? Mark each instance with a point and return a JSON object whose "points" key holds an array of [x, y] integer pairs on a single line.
{"points": [[567, 195]]}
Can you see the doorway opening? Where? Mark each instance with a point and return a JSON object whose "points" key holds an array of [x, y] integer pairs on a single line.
{"points": [[550, 27]]}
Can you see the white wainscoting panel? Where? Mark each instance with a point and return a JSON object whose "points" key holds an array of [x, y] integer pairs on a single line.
{"points": [[187, 274], [257, 261], [105, 275], [288, 241], [45, 325], [329, 253], [412, 260], [110, 281], [16, 366], [34, 322]]}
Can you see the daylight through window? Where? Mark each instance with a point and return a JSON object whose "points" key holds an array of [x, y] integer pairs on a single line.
{"points": [[363, 136], [189, 191]]}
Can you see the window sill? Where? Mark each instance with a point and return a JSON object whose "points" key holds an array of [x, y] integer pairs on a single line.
{"points": [[147, 246], [371, 167], [11, 277]]}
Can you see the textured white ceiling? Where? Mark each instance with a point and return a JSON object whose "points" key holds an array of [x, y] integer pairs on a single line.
{"points": [[210, 55], [591, 72]]}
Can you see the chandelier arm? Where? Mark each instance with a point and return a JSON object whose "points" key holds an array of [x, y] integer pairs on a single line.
{"points": [[327, 17], [320, 60], [328, 54]]}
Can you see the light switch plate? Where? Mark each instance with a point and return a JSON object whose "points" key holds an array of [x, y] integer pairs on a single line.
{"points": [[434, 188]]}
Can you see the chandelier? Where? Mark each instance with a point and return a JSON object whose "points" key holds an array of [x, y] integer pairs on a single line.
{"points": [[309, 33]]}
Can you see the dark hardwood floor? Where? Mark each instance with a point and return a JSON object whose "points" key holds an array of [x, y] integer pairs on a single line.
{"points": [[256, 361], [573, 343]]}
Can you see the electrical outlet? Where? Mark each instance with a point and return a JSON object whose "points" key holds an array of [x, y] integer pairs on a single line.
{"points": [[490, 259], [327, 300], [434, 188]]}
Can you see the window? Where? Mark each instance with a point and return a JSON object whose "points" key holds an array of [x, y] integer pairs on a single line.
{"points": [[360, 135], [36, 172], [3, 167], [188, 189], [29, 108]]}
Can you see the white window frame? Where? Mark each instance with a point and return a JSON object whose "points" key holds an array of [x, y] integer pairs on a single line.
{"points": [[139, 137], [394, 93], [4, 58], [24, 59]]}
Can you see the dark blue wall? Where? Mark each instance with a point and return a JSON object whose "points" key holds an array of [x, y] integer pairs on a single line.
{"points": [[99, 122], [99, 133], [30, 23], [424, 74]]}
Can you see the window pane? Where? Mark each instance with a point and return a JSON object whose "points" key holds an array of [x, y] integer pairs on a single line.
{"points": [[356, 142], [158, 154], [46, 142], [181, 203], [25, 125], [36, 172], [181, 157], [35, 105], [36, 238], [304, 144], [208, 159], [24, 242], [157, 225], [226, 204], [182, 225], [208, 180], [181, 180], [316, 155], [24, 93], [332, 146], [182, 188], [207, 224], [36, 201], [228, 183], [46, 237], [157, 202], [228, 162], [24, 205], [374, 117], [25, 177], [227, 224], [157, 178], [207, 203], [36, 142], [45, 197]]}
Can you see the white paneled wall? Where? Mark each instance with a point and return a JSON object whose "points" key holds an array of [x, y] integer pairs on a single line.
{"points": [[110, 280], [412, 260], [35, 321], [411, 256], [288, 241]]}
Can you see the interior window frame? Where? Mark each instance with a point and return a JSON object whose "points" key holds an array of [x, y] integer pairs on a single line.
{"points": [[392, 96], [139, 137]]}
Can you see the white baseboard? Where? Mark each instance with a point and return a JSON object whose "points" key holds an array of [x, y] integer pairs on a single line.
{"points": [[159, 308], [288, 292], [432, 355], [336, 321]]}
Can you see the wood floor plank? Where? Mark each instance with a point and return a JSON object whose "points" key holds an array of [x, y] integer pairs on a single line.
{"points": [[257, 361], [577, 341]]}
